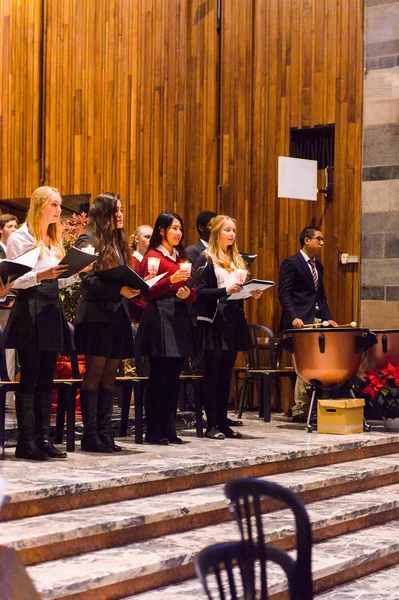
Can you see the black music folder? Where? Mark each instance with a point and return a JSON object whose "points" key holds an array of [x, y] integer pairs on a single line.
{"points": [[76, 260], [20, 265], [124, 275], [195, 276], [248, 258]]}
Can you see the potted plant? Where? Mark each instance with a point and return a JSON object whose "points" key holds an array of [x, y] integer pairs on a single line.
{"points": [[382, 387], [69, 296], [71, 230]]}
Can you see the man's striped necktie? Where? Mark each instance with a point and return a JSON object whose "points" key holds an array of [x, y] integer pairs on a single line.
{"points": [[315, 275]]}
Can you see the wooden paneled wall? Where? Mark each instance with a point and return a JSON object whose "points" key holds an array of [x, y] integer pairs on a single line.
{"points": [[20, 100], [292, 64], [137, 113], [127, 99]]}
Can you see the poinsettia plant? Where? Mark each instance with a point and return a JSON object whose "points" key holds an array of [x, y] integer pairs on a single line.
{"points": [[71, 230], [382, 386]]}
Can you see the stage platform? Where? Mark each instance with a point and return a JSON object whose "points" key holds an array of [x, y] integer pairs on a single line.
{"points": [[128, 525]]}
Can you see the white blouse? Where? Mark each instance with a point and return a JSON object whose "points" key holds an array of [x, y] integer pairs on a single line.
{"points": [[224, 277], [21, 241]]}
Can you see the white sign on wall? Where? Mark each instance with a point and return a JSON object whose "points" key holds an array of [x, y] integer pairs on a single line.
{"points": [[297, 178]]}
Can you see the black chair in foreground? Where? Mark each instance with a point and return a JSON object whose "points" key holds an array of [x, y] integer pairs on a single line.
{"points": [[245, 497], [226, 571], [263, 367]]}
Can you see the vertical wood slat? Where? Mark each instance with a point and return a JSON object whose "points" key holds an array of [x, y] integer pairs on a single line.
{"points": [[20, 79], [306, 70]]}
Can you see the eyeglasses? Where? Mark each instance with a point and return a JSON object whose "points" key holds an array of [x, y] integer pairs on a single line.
{"points": [[318, 238]]}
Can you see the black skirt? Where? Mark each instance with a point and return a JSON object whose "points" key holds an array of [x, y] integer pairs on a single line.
{"points": [[165, 329], [37, 320], [110, 340], [229, 331]]}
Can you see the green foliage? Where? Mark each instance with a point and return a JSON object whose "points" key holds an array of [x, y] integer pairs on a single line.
{"points": [[69, 296]]}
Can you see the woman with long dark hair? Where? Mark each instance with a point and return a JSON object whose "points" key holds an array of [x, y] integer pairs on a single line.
{"points": [[164, 333], [37, 327], [222, 326], [102, 325]]}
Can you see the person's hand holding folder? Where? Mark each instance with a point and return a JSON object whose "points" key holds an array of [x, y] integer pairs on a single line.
{"points": [[5, 288], [128, 292]]}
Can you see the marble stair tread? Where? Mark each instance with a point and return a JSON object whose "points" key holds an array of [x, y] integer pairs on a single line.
{"points": [[382, 585], [262, 444], [33, 531], [104, 567]]}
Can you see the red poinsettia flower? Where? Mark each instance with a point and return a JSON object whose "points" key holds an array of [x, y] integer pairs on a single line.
{"points": [[392, 373]]}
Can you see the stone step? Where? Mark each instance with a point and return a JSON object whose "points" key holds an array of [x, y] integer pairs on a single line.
{"points": [[382, 585], [85, 480], [84, 530], [145, 565], [328, 571]]}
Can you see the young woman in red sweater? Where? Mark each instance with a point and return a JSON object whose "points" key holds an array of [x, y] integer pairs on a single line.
{"points": [[164, 333]]}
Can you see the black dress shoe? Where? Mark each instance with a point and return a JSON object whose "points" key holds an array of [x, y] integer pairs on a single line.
{"points": [[29, 451], [299, 418], [159, 441], [94, 444], [47, 448], [229, 433], [174, 439], [234, 423], [111, 444]]}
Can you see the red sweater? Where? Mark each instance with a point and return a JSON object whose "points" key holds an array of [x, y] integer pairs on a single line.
{"points": [[163, 286], [138, 303]]}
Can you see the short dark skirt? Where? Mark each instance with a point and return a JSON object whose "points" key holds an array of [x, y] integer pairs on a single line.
{"points": [[229, 331], [165, 329], [37, 320], [110, 340]]}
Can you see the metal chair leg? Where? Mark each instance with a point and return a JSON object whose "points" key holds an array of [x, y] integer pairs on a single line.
{"points": [[366, 426], [309, 428], [139, 387], [242, 397], [197, 386]]}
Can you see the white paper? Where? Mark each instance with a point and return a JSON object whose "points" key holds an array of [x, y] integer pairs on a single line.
{"points": [[297, 178], [151, 282], [29, 259], [248, 287]]}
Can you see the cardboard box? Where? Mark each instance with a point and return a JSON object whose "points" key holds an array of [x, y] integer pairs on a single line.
{"points": [[342, 416]]}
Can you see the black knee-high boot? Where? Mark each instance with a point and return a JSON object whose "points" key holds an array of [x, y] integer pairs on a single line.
{"points": [[43, 403], [26, 447], [104, 416], [90, 441]]}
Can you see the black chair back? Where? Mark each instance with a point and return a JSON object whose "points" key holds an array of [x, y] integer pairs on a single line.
{"points": [[245, 496], [228, 570], [262, 354]]}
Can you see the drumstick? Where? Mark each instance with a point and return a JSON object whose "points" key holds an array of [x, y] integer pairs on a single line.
{"points": [[326, 324], [351, 324]]}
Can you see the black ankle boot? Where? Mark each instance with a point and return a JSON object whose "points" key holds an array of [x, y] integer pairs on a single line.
{"points": [[43, 402], [90, 441], [104, 418], [26, 447]]}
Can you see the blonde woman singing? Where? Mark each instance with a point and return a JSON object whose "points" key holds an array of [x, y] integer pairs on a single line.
{"points": [[37, 328], [222, 325]]}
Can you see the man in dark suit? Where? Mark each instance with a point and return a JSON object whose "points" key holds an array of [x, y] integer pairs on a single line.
{"points": [[302, 297], [203, 224]]}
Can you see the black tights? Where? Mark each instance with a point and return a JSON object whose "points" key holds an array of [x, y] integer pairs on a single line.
{"points": [[37, 370], [216, 385], [100, 373], [161, 396]]}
